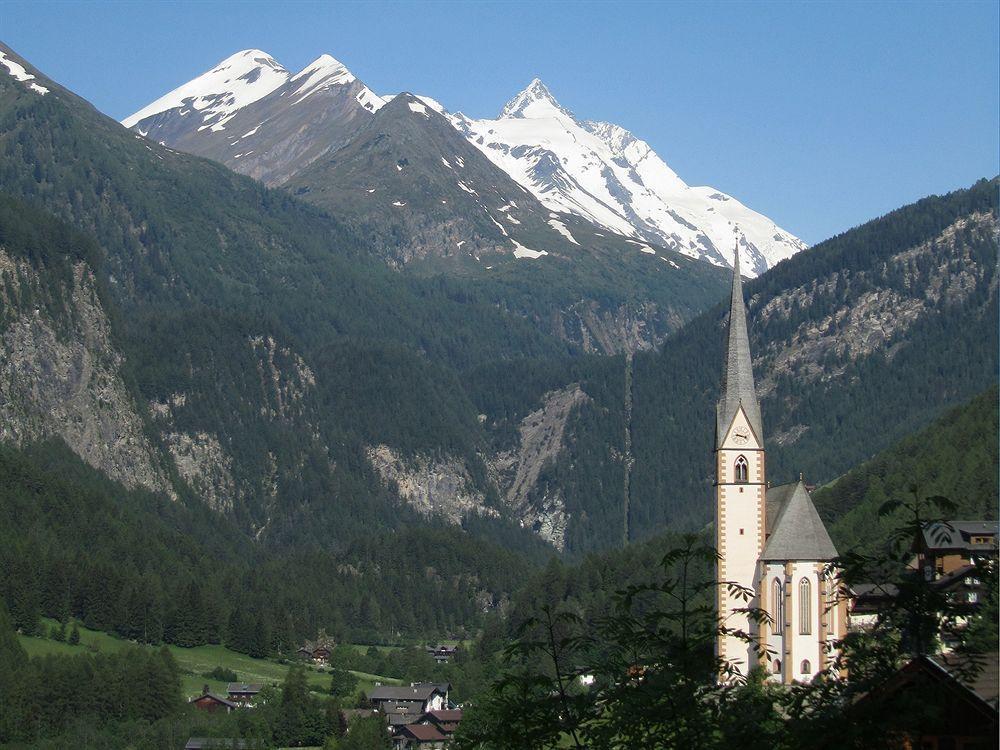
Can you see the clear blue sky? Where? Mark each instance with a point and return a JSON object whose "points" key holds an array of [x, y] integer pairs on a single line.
{"points": [[820, 116]]}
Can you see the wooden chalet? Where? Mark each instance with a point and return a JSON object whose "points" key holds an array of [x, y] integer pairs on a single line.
{"points": [[946, 546], [948, 706], [212, 703], [446, 720], [243, 693], [442, 654], [318, 651], [416, 700]]}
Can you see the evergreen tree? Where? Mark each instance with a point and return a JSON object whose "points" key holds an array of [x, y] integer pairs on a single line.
{"points": [[342, 682]]}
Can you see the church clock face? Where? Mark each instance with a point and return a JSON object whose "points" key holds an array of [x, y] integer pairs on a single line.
{"points": [[740, 437]]}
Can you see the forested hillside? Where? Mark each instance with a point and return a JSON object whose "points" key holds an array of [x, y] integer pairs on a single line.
{"points": [[955, 456], [177, 572]]}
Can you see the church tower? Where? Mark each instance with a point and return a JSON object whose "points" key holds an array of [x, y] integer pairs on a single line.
{"points": [[740, 484], [771, 541]]}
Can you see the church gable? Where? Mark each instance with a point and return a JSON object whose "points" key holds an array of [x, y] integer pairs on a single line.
{"points": [[741, 434]]}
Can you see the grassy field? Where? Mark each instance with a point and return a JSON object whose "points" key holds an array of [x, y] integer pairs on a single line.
{"points": [[194, 662]]}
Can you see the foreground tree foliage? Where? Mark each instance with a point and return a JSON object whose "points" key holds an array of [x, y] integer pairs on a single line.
{"points": [[644, 675]]}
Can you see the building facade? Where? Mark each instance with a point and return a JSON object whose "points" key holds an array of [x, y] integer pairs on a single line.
{"points": [[771, 541]]}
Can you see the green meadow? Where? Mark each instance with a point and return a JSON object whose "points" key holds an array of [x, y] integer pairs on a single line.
{"points": [[195, 662]]}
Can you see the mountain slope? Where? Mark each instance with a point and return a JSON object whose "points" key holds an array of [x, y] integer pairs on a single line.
{"points": [[955, 456]]}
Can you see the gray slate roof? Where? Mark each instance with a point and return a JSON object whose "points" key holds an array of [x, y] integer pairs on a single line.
{"points": [[796, 530], [958, 535], [737, 375], [242, 687]]}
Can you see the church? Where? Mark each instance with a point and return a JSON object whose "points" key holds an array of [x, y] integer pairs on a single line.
{"points": [[770, 539]]}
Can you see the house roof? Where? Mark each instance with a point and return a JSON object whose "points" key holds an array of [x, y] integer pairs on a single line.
{"points": [[204, 743], [214, 697], [796, 532], [402, 693], [445, 715], [737, 375], [947, 535], [951, 687], [424, 732], [403, 719], [242, 687], [985, 682]]}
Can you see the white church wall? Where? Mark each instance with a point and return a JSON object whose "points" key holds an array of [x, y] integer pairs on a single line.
{"points": [[805, 647], [775, 637]]}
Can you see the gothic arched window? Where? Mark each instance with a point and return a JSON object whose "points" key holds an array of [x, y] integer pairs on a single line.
{"points": [[777, 606], [742, 470], [806, 667], [805, 607], [776, 667]]}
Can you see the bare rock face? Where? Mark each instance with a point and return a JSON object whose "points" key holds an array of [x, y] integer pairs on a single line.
{"points": [[205, 466], [628, 328], [443, 487], [284, 374], [935, 273], [516, 472], [62, 376], [432, 487]]}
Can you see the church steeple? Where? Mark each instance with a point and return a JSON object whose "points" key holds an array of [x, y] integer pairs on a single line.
{"points": [[737, 375]]}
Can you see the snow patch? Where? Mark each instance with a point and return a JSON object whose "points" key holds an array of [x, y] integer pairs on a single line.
{"points": [[398, 203], [418, 108], [561, 228], [445, 162], [20, 74], [501, 227], [520, 251]]}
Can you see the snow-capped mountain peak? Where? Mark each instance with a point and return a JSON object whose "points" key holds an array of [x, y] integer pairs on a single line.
{"points": [[534, 102], [217, 94], [323, 72], [602, 172]]}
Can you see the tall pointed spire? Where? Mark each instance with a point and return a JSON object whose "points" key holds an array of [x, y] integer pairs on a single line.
{"points": [[737, 375]]}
